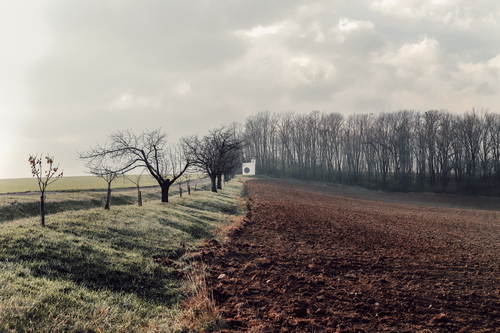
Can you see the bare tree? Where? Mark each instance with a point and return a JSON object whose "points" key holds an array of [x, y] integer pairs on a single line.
{"points": [[333, 125], [44, 178], [230, 163], [202, 156], [284, 138], [444, 139], [136, 180], [149, 150], [471, 132], [495, 153], [215, 153], [109, 175], [233, 154], [261, 132]]}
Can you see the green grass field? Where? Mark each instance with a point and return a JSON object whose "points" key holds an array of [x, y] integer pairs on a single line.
{"points": [[20, 185], [92, 270]]}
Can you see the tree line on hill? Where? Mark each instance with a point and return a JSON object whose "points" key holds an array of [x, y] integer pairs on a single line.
{"points": [[404, 150]]}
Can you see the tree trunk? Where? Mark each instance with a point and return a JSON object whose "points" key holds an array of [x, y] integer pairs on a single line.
{"points": [[108, 197], [42, 210], [214, 183], [164, 191], [219, 182], [139, 198], [189, 189]]}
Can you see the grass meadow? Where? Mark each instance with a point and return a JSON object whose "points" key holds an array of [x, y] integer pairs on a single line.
{"points": [[80, 183], [93, 270]]}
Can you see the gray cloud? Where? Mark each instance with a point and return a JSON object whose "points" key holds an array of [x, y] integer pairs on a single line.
{"points": [[191, 65], [486, 88]]}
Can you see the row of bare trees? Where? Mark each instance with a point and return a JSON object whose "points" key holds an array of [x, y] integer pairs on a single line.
{"points": [[403, 150], [215, 154]]}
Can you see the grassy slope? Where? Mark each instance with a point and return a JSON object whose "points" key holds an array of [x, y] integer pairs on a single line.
{"points": [[17, 205], [92, 270]]}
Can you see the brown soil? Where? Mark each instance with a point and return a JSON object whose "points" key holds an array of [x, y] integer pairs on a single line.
{"points": [[311, 258]]}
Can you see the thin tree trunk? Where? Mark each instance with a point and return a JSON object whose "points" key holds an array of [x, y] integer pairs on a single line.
{"points": [[139, 198], [42, 210], [108, 197]]}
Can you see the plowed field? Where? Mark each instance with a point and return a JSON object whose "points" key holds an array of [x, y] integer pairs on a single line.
{"points": [[311, 258]]}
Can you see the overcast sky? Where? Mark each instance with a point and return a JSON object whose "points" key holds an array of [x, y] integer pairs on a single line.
{"points": [[72, 72]]}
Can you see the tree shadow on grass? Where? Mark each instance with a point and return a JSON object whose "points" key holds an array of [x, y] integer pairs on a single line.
{"points": [[196, 229], [91, 265], [17, 210]]}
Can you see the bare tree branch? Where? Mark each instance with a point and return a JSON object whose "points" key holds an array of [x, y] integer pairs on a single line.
{"points": [[150, 150], [216, 153]]}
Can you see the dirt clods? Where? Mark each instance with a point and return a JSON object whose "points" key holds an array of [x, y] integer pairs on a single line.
{"points": [[308, 259]]}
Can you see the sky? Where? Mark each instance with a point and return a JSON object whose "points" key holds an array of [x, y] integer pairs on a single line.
{"points": [[72, 72]]}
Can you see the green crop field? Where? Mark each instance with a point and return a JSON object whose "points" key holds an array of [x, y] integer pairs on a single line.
{"points": [[117, 270], [19, 185]]}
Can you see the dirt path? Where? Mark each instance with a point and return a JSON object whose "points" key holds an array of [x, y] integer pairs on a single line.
{"points": [[308, 260]]}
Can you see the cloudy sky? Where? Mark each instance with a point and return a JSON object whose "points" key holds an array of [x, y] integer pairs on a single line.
{"points": [[72, 72]]}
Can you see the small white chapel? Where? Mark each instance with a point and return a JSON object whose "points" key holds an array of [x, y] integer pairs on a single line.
{"points": [[248, 169]]}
